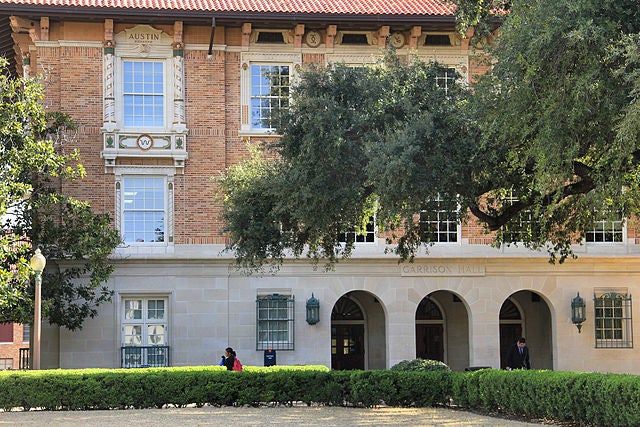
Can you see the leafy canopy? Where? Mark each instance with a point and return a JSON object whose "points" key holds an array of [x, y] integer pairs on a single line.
{"points": [[76, 242], [553, 125]]}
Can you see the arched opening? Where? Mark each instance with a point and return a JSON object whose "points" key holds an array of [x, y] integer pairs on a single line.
{"points": [[358, 332], [429, 331], [442, 329], [526, 313]]}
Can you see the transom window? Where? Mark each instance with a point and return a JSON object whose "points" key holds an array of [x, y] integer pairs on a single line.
{"points": [[613, 320], [275, 322], [270, 86], [606, 230], [439, 220], [143, 209], [143, 93]]}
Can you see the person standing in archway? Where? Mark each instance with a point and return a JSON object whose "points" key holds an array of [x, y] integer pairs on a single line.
{"points": [[518, 356]]}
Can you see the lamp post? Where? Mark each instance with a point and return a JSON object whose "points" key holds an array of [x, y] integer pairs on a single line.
{"points": [[38, 261]]}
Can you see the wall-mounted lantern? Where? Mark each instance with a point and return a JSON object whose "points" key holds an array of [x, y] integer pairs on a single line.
{"points": [[313, 310], [578, 311]]}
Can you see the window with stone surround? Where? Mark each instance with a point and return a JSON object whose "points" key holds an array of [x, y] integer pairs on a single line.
{"points": [[265, 83], [143, 94], [275, 316], [144, 331], [270, 86], [144, 205], [613, 319]]}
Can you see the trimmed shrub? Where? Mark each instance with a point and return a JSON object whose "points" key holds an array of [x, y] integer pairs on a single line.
{"points": [[420, 365]]}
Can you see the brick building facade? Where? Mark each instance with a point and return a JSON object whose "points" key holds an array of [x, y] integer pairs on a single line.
{"points": [[13, 337], [167, 98]]}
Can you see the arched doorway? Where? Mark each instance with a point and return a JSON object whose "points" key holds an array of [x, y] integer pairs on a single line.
{"points": [[526, 313], [442, 329], [429, 331], [358, 332], [510, 329]]}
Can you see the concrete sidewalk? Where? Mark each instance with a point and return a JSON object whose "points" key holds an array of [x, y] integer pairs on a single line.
{"points": [[320, 416]]}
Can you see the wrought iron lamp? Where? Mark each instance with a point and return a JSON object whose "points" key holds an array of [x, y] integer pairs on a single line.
{"points": [[37, 263], [578, 311], [313, 310]]}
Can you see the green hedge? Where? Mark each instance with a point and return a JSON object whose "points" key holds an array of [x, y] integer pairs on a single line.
{"points": [[584, 398], [587, 398], [158, 387]]}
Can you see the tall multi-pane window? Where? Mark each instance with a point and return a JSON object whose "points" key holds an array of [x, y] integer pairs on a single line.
{"points": [[143, 209], [143, 93], [606, 230], [144, 332], [275, 322], [26, 332], [613, 320], [270, 86], [520, 228], [439, 220]]}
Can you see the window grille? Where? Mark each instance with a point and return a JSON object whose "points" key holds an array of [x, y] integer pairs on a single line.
{"points": [[446, 79], [275, 322], [613, 320]]}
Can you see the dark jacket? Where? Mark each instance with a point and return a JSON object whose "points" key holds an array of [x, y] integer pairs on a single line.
{"points": [[228, 362], [515, 360]]}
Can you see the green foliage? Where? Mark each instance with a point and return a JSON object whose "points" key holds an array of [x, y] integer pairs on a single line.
{"points": [[420, 365], [554, 126], [325, 176], [585, 398], [34, 164]]}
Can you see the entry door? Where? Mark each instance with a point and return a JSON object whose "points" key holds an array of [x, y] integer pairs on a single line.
{"points": [[429, 343], [347, 347], [509, 334]]}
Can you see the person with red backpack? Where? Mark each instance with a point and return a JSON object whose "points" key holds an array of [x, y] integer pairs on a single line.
{"points": [[230, 360]]}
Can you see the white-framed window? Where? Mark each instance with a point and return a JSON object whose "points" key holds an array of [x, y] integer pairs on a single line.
{"points": [[275, 319], [143, 93], [368, 235], [6, 364], [145, 331], [270, 85], [439, 220], [447, 78], [142, 80], [26, 332], [265, 86], [613, 319], [607, 230], [144, 202], [520, 228]]}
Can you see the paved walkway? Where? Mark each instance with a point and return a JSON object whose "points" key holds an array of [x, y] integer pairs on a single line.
{"points": [[322, 416]]}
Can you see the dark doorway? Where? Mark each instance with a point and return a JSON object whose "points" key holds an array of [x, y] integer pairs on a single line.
{"points": [[347, 347], [347, 335], [429, 342], [510, 329], [429, 331]]}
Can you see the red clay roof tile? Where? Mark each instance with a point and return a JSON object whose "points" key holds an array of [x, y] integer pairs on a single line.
{"points": [[340, 7]]}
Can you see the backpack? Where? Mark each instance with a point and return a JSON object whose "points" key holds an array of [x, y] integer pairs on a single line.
{"points": [[237, 366]]}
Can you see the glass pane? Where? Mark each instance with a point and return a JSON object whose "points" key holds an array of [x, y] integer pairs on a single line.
{"points": [[133, 309], [133, 335]]}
